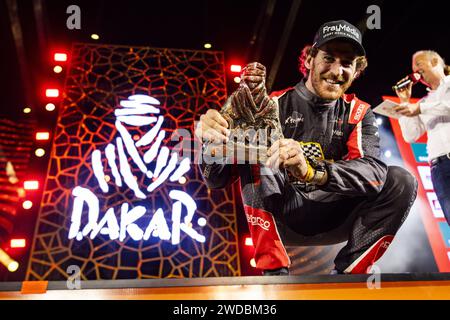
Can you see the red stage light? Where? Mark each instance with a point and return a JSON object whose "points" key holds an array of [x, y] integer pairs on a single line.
{"points": [[249, 242], [18, 243], [50, 107], [27, 204], [52, 93], [42, 135], [31, 185], [235, 68], [60, 57], [57, 69]]}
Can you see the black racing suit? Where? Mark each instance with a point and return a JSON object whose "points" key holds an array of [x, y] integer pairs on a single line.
{"points": [[363, 202]]}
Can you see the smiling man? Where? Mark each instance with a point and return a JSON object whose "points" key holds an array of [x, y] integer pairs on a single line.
{"points": [[323, 183]]}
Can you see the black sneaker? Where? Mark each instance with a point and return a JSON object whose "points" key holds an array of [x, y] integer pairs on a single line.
{"points": [[277, 272]]}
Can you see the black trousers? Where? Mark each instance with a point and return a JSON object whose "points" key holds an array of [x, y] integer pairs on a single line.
{"points": [[278, 215]]}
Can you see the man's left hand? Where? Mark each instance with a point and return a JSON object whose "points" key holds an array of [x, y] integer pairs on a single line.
{"points": [[409, 110], [287, 153]]}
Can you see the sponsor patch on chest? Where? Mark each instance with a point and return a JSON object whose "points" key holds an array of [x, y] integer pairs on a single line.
{"points": [[294, 120]]}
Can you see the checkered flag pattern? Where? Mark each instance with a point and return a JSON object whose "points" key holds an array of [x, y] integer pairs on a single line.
{"points": [[312, 150]]}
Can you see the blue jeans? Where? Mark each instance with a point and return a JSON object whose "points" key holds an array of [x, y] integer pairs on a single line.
{"points": [[440, 175]]}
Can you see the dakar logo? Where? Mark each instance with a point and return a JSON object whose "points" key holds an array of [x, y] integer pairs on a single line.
{"points": [[168, 166], [258, 221]]}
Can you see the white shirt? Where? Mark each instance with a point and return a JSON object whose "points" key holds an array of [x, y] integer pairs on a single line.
{"points": [[434, 119]]}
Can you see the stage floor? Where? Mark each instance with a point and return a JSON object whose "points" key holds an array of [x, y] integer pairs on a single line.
{"points": [[336, 287]]}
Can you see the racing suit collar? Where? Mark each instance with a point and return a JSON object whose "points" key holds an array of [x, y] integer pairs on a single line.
{"points": [[317, 101]]}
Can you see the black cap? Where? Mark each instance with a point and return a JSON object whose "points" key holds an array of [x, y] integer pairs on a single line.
{"points": [[339, 29]]}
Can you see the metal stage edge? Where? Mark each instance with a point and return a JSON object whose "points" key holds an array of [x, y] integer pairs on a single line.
{"points": [[435, 286]]}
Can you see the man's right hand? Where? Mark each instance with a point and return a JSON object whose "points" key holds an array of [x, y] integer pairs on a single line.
{"points": [[405, 93], [212, 127]]}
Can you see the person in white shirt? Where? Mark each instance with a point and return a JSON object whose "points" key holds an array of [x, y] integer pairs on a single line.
{"points": [[431, 114]]}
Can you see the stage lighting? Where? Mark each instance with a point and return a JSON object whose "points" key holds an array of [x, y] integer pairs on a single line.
{"points": [[27, 204], [31, 185], [201, 222], [249, 242], [237, 79], [182, 180], [45, 135], [39, 152], [95, 36], [50, 107], [60, 57], [26, 110], [253, 263], [21, 193], [388, 153], [57, 69], [207, 45], [13, 266], [379, 121], [235, 68], [9, 263], [52, 93], [17, 243], [13, 180]]}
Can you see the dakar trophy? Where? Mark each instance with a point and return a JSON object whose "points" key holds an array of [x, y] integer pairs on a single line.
{"points": [[253, 120]]}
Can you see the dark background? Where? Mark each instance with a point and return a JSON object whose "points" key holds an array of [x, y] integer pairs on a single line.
{"points": [[406, 26]]}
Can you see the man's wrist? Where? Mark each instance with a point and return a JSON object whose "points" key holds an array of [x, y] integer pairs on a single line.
{"points": [[320, 173], [320, 177], [317, 176], [307, 176]]}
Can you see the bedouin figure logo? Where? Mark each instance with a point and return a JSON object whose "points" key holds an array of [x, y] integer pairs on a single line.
{"points": [[138, 110]]}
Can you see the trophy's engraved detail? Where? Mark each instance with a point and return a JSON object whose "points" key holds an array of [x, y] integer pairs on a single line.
{"points": [[253, 118]]}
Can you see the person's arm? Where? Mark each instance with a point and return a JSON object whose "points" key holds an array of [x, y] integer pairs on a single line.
{"points": [[212, 127], [218, 176], [412, 128], [440, 107], [361, 172]]}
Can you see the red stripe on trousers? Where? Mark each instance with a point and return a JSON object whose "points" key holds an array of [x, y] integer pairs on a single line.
{"points": [[372, 254]]}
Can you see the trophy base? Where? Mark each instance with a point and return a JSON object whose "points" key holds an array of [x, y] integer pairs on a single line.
{"points": [[238, 153]]}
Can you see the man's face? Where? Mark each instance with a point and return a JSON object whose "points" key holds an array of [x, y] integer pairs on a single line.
{"points": [[422, 64], [333, 69]]}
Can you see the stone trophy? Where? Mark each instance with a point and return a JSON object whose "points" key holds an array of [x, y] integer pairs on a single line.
{"points": [[253, 120]]}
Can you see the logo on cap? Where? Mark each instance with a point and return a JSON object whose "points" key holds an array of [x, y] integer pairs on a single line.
{"points": [[339, 29]]}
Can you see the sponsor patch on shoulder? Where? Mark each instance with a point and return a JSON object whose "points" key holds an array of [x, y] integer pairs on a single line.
{"points": [[358, 112]]}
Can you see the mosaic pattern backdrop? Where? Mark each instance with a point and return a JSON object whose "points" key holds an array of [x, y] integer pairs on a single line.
{"points": [[16, 141], [186, 83]]}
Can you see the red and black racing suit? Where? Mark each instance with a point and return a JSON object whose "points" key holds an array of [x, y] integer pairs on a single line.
{"points": [[363, 202]]}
